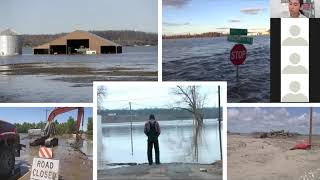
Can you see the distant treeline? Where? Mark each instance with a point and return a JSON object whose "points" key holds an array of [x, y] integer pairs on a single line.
{"points": [[202, 35], [68, 127], [117, 116], [125, 38]]}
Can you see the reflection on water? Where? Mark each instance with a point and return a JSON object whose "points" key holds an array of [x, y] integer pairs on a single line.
{"points": [[68, 78], [175, 142], [136, 57], [60, 151], [208, 59], [87, 148]]}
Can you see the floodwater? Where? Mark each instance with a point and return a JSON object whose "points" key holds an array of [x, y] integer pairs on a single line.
{"points": [[68, 78], [208, 59], [73, 163], [175, 143]]}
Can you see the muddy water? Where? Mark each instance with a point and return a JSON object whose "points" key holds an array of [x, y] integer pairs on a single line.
{"points": [[175, 143], [68, 78], [73, 163]]}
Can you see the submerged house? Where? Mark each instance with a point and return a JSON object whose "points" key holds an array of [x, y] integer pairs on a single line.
{"points": [[77, 41]]}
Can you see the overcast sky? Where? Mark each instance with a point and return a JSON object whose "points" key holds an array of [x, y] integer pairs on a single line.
{"points": [[293, 119], [198, 16], [38, 114], [150, 96], [56, 16]]}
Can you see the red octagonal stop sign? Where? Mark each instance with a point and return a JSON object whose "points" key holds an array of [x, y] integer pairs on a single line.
{"points": [[238, 54]]}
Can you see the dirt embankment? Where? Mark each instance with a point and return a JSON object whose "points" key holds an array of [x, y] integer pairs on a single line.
{"points": [[183, 171], [254, 158], [91, 74]]}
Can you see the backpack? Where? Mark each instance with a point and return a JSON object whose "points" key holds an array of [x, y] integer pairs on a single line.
{"points": [[152, 134]]}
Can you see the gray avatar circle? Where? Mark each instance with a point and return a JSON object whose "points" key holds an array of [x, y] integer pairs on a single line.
{"points": [[294, 58], [294, 30], [295, 86]]}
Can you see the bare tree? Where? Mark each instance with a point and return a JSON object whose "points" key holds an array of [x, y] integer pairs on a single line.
{"points": [[101, 94], [193, 102]]}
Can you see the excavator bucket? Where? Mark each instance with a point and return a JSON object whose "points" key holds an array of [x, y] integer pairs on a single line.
{"points": [[51, 142], [38, 141], [43, 141]]}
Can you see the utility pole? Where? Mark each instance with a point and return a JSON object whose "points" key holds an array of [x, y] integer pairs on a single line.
{"points": [[219, 122], [46, 114], [47, 110], [131, 129], [310, 129]]}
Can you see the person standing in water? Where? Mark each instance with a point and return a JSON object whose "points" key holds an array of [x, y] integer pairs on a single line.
{"points": [[152, 130], [295, 9]]}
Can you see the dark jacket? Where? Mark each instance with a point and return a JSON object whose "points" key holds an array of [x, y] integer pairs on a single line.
{"points": [[149, 133]]}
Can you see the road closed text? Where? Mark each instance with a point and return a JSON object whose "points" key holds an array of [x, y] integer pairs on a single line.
{"points": [[45, 169]]}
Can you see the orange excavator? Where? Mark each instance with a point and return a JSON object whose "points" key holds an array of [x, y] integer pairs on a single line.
{"points": [[48, 133]]}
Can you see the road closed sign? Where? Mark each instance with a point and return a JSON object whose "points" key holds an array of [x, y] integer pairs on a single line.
{"points": [[238, 54], [44, 169]]}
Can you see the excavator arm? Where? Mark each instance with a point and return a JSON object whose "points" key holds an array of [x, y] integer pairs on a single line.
{"points": [[60, 110], [49, 130]]}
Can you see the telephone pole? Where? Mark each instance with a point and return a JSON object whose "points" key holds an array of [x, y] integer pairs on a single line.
{"points": [[131, 129], [219, 122], [46, 115], [310, 127]]}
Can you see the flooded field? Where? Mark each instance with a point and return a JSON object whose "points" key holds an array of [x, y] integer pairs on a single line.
{"points": [[175, 143], [208, 59], [68, 78], [74, 163]]}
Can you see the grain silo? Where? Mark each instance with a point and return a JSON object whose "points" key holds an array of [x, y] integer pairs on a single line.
{"points": [[10, 43]]}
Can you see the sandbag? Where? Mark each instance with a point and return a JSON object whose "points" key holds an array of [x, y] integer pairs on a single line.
{"points": [[303, 146]]}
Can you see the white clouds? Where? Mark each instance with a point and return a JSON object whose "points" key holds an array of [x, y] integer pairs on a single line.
{"points": [[168, 24], [234, 21], [175, 3], [265, 119], [252, 11], [233, 112]]}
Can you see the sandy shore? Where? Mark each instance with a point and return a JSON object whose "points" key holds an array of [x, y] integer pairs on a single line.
{"points": [[252, 158], [183, 171]]}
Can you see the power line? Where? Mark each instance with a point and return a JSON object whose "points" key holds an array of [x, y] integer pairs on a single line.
{"points": [[142, 98]]}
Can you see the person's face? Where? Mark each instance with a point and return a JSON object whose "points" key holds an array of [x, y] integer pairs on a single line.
{"points": [[294, 7]]}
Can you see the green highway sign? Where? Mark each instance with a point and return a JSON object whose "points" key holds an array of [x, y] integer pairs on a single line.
{"points": [[238, 31], [240, 39]]}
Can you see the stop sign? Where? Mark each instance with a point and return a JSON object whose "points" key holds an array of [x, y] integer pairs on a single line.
{"points": [[238, 54]]}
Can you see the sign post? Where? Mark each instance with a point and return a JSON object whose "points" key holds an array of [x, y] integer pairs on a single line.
{"points": [[238, 32], [240, 36], [238, 55], [240, 39]]}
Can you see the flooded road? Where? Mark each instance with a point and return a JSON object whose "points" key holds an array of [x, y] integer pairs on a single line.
{"points": [[68, 78], [208, 59], [175, 143], [73, 163]]}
